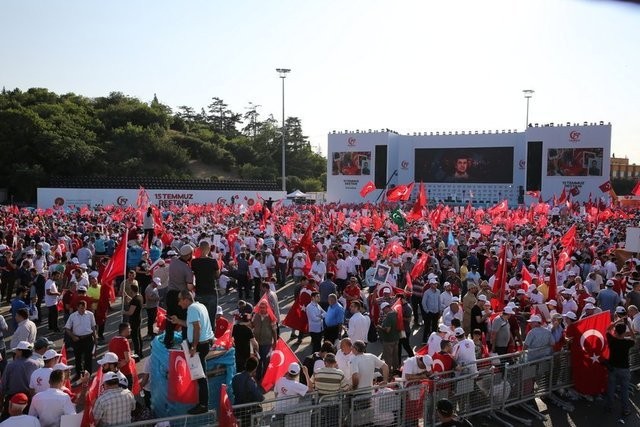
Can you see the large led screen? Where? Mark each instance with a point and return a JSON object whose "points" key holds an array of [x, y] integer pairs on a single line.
{"points": [[574, 161], [493, 165], [351, 163]]}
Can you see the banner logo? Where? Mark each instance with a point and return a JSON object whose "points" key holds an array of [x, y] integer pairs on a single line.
{"points": [[404, 164], [574, 136], [351, 142]]}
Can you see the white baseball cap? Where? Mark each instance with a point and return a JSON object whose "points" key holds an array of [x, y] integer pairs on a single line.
{"points": [[458, 332], [294, 368], [508, 310], [108, 357], [571, 315], [535, 318], [50, 354], [482, 298], [384, 305], [23, 345], [61, 367], [443, 328]]}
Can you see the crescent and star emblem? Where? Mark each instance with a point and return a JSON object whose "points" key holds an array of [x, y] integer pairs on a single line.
{"points": [[438, 362], [588, 333], [272, 359]]}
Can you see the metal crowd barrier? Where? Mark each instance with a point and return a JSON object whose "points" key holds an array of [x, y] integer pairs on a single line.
{"points": [[500, 385]]}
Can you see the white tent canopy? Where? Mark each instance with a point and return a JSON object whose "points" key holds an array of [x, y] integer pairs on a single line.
{"points": [[296, 195]]}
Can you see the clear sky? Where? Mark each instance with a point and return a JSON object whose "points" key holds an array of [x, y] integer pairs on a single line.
{"points": [[404, 65]]}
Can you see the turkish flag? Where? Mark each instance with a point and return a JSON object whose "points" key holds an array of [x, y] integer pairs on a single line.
{"points": [[568, 241], [180, 388], [63, 359], [636, 189], [400, 192], [501, 280], [135, 387], [485, 229], [368, 188], [296, 318], [232, 236], [563, 197], [226, 416], [606, 187], [279, 363], [270, 312], [408, 289], [526, 278], [589, 350], [418, 268], [535, 194], [397, 307], [422, 351], [225, 340], [501, 207], [90, 399], [117, 265], [394, 248], [373, 252], [553, 279]]}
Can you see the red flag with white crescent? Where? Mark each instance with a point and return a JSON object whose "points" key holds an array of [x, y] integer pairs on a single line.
{"points": [[281, 357], [226, 417], [180, 388], [589, 352]]}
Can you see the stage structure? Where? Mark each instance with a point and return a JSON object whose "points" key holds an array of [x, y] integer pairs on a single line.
{"points": [[483, 167]]}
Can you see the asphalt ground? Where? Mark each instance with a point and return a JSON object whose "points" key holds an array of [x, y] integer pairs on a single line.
{"points": [[585, 414]]}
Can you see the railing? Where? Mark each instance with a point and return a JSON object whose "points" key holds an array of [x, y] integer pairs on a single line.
{"points": [[500, 383]]}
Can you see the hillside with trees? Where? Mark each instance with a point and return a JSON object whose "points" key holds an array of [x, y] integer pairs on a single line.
{"points": [[45, 134]]}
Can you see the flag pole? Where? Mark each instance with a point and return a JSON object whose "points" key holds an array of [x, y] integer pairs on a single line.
{"points": [[124, 269], [395, 172]]}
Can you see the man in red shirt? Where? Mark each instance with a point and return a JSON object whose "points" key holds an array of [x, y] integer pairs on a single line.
{"points": [[120, 346], [222, 324]]}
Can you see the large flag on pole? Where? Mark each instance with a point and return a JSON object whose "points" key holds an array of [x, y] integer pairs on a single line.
{"points": [[117, 265], [589, 352], [368, 188]]}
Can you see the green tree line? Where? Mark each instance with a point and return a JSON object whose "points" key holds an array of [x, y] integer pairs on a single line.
{"points": [[45, 134]]}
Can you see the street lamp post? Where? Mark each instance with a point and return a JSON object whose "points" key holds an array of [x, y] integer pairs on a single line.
{"points": [[528, 93], [283, 75]]}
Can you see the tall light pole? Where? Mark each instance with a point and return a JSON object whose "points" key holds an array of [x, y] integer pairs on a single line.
{"points": [[283, 75], [528, 93]]}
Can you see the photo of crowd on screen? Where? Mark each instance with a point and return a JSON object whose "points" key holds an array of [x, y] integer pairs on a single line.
{"points": [[574, 161], [351, 163]]}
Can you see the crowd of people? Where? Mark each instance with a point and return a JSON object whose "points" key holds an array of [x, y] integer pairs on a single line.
{"points": [[425, 292]]}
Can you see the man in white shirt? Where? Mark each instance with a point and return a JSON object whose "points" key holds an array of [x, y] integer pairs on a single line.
{"points": [[288, 386], [81, 327], [51, 404], [315, 315], [436, 337], [283, 264], [344, 356], [464, 353], [51, 295], [452, 312], [417, 368], [634, 315], [40, 377], [318, 269], [358, 323], [341, 272], [446, 296], [363, 366]]}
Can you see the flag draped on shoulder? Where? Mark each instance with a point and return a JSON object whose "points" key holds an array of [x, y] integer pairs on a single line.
{"points": [[279, 362]]}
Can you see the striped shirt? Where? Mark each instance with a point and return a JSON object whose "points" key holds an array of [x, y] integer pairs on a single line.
{"points": [[329, 380]]}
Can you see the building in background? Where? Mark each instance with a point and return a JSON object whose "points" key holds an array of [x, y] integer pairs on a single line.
{"points": [[483, 167]]}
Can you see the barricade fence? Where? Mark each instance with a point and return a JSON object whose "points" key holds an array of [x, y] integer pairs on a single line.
{"points": [[500, 383]]}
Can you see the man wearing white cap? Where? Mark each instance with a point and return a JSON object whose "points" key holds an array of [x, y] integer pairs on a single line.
{"points": [[446, 296], [431, 307], [480, 314], [115, 404], [17, 374], [453, 311], [289, 385], [501, 332], [417, 368], [40, 377], [464, 353], [568, 303], [435, 338], [539, 340]]}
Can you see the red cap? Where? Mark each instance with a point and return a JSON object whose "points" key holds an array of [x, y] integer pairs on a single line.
{"points": [[19, 399]]}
